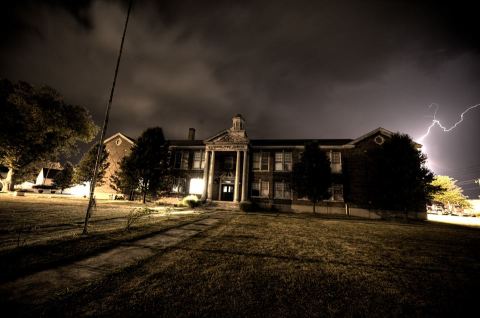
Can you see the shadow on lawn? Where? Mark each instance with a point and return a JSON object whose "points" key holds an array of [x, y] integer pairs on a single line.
{"points": [[386, 268]]}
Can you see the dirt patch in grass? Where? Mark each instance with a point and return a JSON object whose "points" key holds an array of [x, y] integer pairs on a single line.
{"points": [[295, 266]]}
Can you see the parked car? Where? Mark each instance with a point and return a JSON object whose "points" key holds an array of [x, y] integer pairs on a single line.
{"points": [[436, 209]]}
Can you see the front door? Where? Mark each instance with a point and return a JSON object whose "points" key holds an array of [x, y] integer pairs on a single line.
{"points": [[227, 192]]}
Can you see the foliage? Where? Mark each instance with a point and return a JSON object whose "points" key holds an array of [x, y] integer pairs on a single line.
{"points": [[147, 165], [85, 168], [64, 177], [125, 179], [38, 125], [312, 175], [398, 177], [191, 201], [135, 215], [449, 192]]}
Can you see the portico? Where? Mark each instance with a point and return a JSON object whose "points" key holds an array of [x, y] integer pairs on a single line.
{"points": [[226, 164]]}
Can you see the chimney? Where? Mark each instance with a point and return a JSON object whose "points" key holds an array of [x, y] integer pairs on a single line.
{"points": [[191, 133]]}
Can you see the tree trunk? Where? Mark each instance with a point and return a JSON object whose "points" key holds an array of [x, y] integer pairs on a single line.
{"points": [[144, 195], [10, 180], [313, 206]]}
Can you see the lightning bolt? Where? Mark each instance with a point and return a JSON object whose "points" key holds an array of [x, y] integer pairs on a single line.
{"points": [[436, 122]]}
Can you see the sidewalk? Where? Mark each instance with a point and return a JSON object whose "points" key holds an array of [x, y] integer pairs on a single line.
{"points": [[40, 287]]}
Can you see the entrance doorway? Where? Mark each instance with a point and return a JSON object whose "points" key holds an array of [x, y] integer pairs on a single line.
{"points": [[227, 192]]}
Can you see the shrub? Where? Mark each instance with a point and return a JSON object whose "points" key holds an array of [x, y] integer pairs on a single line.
{"points": [[135, 215], [247, 206], [191, 201]]}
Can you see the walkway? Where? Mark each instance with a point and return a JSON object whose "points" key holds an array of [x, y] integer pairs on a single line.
{"points": [[40, 287]]}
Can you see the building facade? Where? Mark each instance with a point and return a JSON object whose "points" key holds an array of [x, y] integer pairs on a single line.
{"points": [[117, 146], [231, 167]]}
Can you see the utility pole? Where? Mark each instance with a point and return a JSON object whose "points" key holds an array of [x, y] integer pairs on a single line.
{"points": [[91, 201]]}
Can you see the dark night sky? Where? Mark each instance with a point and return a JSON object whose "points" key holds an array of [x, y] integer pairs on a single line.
{"points": [[294, 69]]}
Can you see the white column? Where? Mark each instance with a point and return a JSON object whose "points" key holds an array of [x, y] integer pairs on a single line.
{"points": [[237, 178], [205, 176], [210, 176], [245, 177]]}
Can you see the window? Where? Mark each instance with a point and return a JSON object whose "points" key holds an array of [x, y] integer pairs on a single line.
{"points": [[283, 161], [178, 160], [260, 189], [199, 159], [185, 155], [179, 185], [118, 142], [181, 160], [260, 161], [335, 161], [336, 192], [196, 186], [336, 157], [282, 191], [379, 140]]}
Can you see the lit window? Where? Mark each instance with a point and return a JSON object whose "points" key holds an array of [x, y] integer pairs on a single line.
{"points": [[335, 161], [282, 191], [260, 161], [196, 186], [283, 161], [264, 189], [198, 159]]}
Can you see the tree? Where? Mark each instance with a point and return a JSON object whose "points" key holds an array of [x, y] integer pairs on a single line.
{"points": [[38, 125], [125, 179], [64, 178], [398, 177], [449, 193], [312, 176], [148, 164], [84, 170]]}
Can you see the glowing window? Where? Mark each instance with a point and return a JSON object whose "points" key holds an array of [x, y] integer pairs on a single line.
{"points": [[196, 186]]}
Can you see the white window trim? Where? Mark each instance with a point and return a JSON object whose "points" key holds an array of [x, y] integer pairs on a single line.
{"points": [[202, 160], [261, 154], [182, 152], [260, 181], [335, 167], [283, 191], [283, 152]]}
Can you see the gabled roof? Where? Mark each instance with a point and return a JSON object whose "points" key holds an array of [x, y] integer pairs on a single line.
{"points": [[217, 135], [381, 130], [119, 134]]}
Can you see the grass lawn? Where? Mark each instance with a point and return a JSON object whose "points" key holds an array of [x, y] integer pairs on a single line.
{"points": [[269, 265], [38, 232]]}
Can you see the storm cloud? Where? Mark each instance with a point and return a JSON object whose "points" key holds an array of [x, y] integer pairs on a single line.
{"points": [[293, 69]]}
